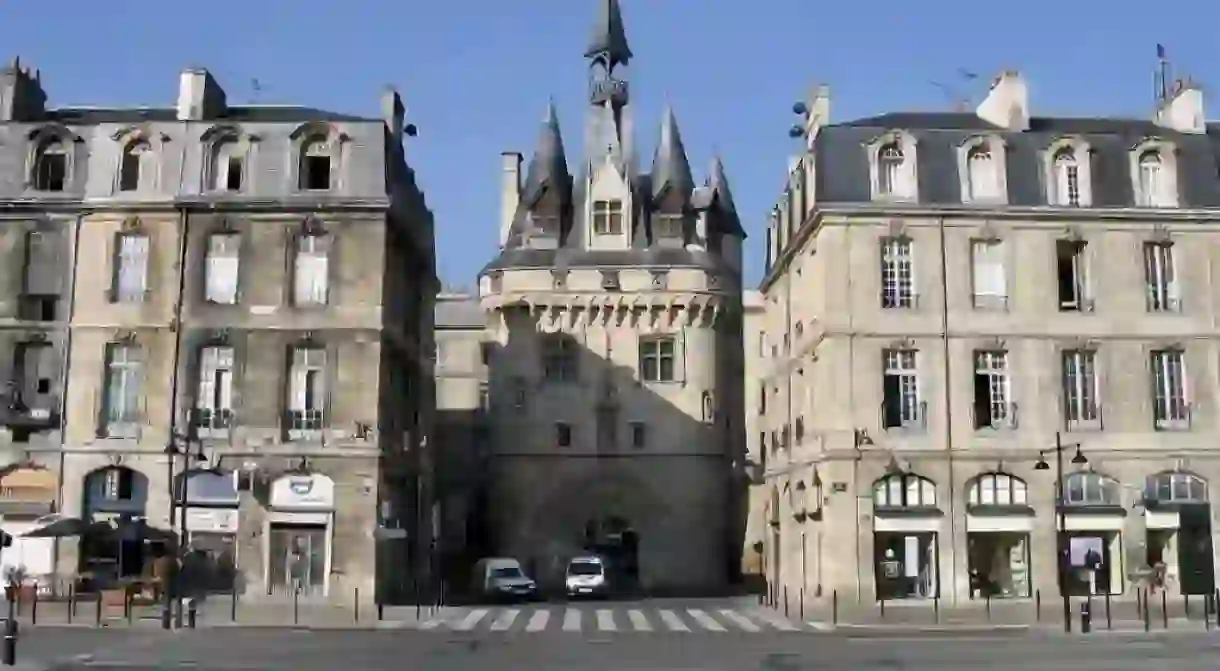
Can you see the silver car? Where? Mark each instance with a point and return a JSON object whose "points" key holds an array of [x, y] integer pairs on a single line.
{"points": [[587, 576]]}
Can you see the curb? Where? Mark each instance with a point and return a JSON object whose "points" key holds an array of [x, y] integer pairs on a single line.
{"points": [[930, 628]]}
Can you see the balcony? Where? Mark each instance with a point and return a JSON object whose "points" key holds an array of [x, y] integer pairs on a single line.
{"points": [[211, 422], [995, 417], [304, 424], [22, 418], [904, 415], [1174, 417]]}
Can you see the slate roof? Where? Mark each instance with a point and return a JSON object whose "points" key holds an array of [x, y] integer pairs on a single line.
{"points": [[843, 168], [87, 116]]}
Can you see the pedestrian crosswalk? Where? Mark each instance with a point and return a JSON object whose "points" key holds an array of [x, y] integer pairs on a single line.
{"points": [[578, 619]]}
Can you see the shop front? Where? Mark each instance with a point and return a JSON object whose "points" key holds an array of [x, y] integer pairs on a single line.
{"points": [[1177, 515], [27, 493], [300, 525], [212, 523], [123, 544], [998, 524], [1093, 538], [906, 529]]}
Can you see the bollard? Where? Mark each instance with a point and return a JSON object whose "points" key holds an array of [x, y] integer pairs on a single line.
{"points": [[71, 601], [988, 606], [233, 603], [1086, 616], [1139, 601], [98, 614], [936, 608], [1186, 605], [9, 655], [128, 605], [296, 605], [882, 608], [34, 608], [1164, 609], [801, 606], [380, 611], [1147, 615], [356, 603], [1207, 612], [785, 601], [192, 613], [834, 607], [1037, 605], [1109, 622]]}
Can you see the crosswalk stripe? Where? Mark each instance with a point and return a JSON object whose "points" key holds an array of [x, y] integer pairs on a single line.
{"points": [[432, 624], [705, 620], [740, 620], [538, 620], [672, 621], [774, 619], [471, 620], [605, 620], [638, 621], [506, 619], [571, 620]]}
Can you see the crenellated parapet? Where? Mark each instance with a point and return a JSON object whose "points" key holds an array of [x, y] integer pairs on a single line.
{"points": [[554, 313]]}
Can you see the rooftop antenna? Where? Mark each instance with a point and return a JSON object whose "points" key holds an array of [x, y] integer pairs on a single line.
{"points": [[1161, 78], [959, 101], [256, 89]]}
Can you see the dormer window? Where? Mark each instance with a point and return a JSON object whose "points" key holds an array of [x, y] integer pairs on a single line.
{"points": [[50, 166], [608, 217], [982, 173], [315, 168], [132, 165], [1151, 179], [889, 175], [1067, 178], [228, 166], [668, 228], [1067, 173]]}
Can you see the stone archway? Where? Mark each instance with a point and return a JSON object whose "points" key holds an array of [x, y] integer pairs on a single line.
{"points": [[612, 515]]}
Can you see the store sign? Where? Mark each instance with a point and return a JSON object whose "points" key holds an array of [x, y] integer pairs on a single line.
{"points": [[303, 491], [28, 484], [211, 520]]}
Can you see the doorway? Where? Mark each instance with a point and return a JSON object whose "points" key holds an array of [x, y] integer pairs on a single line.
{"points": [[906, 565], [1094, 563], [999, 564], [1185, 550], [298, 558]]}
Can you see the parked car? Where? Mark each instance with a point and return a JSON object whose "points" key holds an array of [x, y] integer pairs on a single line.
{"points": [[587, 576], [502, 578]]}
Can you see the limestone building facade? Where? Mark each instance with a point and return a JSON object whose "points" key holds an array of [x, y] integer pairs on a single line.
{"points": [[251, 285], [949, 296], [615, 309]]}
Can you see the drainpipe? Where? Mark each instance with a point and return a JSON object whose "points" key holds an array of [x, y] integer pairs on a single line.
{"points": [[65, 344], [948, 414], [176, 327]]}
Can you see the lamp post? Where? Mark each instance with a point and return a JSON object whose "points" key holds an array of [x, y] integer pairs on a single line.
{"points": [[178, 504], [1061, 517]]}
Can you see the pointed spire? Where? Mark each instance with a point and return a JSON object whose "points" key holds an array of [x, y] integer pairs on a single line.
{"points": [[670, 166], [548, 168], [609, 38], [720, 185]]}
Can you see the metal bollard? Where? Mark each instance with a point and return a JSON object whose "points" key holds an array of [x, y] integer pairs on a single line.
{"points": [[936, 608], [988, 606], [801, 605], [834, 607], [97, 620], [233, 603], [1038, 605], [1086, 617], [1109, 622], [1146, 614], [128, 606], [1164, 609], [1186, 605], [71, 602], [380, 611], [1207, 612], [296, 604], [34, 609], [192, 613], [8, 656], [785, 601], [356, 604], [882, 602]]}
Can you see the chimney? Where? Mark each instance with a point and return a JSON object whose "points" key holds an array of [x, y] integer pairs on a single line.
{"points": [[21, 94], [818, 113], [1007, 105], [1183, 110], [199, 96], [393, 112], [510, 191]]}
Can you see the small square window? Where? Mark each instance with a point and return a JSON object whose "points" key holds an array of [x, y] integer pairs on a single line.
{"points": [[563, 434], [639, 435]]}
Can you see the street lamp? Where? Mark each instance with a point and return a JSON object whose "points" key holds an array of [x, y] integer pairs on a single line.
{"points": [[178, 503], [1061, 516]]}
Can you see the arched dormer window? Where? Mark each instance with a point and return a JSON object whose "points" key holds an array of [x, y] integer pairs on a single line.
{"points": [[318, 152], [997, 489], [1175, 487], [1088, 488], [1154, 174], [1068, 174], [227, 153], [892, 162], [135, 165], [904, 490], [50, 171], [981, 164]]}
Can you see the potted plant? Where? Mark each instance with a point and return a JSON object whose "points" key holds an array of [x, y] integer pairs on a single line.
{"points": [[14, 578]]}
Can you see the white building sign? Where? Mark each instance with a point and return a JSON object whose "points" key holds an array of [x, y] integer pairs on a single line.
{"points": [[311, 492]]}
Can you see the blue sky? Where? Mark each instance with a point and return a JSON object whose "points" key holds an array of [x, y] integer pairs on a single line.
{"points": [[476, 74]]}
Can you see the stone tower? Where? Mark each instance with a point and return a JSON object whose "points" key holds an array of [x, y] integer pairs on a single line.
{"points": [[615, 307]]}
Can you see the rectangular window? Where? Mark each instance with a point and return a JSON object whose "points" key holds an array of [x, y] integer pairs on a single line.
{"points": [[221, 268], [484, 396], [214, 404], [608, 217], [131, 268], [657, 359], [668, 227], [1160, 277], [992, 406], [129, 169], [123, 390], [43, 271], [307, 392], [560, 358], [234, 168], [639, 435], [563, 434], [990, 281], [1073, 278], [119, 484], [901, 406], [897, 273], [311, 270], [36, 365], [1080, 389], [1170, 407]]}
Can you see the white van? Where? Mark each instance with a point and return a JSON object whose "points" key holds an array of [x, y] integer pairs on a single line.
{"points": [[587, 576], [502, 578]]}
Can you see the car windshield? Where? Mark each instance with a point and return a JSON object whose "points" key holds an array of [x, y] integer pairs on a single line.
{"points": [[584, 568], [506, 572]]}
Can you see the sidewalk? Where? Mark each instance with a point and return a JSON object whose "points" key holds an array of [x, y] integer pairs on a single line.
{"points": [[219, 612]]}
